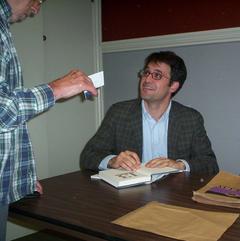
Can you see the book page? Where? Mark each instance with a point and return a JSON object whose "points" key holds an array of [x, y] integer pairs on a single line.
{"points": [[157, 170]]}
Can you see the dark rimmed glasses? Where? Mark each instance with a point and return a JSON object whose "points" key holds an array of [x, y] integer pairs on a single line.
{"points": [[155, 74]]}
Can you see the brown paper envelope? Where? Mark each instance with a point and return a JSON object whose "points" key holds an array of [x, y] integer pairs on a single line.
{"points": [[224, 179], [198, 197], [177, 222]]}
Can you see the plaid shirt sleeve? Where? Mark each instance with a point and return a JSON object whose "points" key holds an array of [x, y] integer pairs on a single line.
{"points": [[23, 104]]}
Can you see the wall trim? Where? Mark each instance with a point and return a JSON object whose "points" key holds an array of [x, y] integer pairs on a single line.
{"points": [[97, 37], [173, 40]]}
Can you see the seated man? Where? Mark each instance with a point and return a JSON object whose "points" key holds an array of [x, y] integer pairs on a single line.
{"points": [[153, 129]]}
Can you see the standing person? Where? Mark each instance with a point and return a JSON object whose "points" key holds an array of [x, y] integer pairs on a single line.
{"points": [[153, 129], [18, 105]]}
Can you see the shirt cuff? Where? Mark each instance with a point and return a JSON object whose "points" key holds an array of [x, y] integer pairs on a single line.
{"points": [[104, 163], [187, 167], [44, 97]]}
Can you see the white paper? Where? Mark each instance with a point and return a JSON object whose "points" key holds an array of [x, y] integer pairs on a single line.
{"points": [[97, 79], [95, 176]]}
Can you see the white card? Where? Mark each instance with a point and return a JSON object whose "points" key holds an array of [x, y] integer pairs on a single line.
{"points": [[97, 79], [95, 176]]}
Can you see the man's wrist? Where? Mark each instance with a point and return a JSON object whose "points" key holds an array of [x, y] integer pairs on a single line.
{"points": [[55, 89], [181, 164], [109, 165], [187, 167]]}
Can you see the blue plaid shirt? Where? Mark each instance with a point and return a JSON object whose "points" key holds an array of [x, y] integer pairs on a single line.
{"points": [[17, 105]]}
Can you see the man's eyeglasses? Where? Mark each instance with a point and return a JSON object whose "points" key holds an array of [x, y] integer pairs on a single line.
{"points": [[155, 75], [38, 2]]}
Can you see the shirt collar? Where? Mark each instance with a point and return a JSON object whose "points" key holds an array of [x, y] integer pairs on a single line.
{"points": [[147, 116], [5, 11]]}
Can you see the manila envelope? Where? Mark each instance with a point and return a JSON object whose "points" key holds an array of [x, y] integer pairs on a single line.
{"points": [[178, 222]]}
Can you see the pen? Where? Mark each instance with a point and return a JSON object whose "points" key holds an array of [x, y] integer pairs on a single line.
{"points": [[87, 95]]}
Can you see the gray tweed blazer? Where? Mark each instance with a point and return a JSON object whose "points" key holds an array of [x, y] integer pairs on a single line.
{"points": [[121, 130]]}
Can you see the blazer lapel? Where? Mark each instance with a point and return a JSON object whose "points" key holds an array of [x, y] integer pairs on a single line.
{"points": [[172, 130], [135, 123]]}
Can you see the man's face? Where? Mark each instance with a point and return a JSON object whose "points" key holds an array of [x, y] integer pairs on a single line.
{"points": [[21, 9], [155, 83]]}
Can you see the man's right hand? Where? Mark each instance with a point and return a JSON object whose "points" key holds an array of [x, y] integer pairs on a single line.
{"points": [[72, 84], [127, 160]]}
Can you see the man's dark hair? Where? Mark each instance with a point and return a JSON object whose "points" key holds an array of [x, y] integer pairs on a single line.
{"points": [[178, 68]]}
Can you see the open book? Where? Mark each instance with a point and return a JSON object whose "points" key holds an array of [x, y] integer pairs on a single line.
{"points": [[222, 190], [121, 178]]}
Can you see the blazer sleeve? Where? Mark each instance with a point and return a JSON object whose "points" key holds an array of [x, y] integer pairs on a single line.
{"points": [[203, 159], [100, 145], [120, 130], [192, 144]]}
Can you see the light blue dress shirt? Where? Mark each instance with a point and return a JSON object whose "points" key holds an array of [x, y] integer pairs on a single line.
{"points": [[154, 135]]}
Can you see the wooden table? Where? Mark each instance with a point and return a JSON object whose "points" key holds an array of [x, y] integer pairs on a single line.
{"points": [[75, 204]]}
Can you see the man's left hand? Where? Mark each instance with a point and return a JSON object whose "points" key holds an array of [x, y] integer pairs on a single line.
{"points": [[165, 162], [39, 188]]}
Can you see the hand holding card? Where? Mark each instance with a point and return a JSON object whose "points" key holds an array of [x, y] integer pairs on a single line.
{"points": [[98, 81]]}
